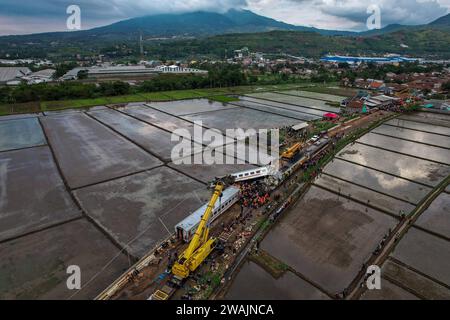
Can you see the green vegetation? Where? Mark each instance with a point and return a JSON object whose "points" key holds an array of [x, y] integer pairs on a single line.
{"points": [[46, 97], [63, 68], [264, 224], [413, 108], [269, 263], [223, 76], [223, 98], [420, 40], [320, 126], [339, 91], [73, 104], [350, 117], [426, 41], [154, 96], [174, 87], [210, 280], [181, 95]]}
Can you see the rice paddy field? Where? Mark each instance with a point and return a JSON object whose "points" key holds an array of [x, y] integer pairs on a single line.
{"points": [[327, 237], [99, 188]]}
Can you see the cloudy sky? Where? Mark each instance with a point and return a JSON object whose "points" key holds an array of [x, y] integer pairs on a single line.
{"points": [[23, 17]]}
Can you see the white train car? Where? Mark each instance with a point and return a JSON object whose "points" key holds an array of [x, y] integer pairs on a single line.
{"points": [[185, 230], [251, 174]]}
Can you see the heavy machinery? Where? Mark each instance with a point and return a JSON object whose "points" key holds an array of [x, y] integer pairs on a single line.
{"points": [[201, 245], [292, 151]]}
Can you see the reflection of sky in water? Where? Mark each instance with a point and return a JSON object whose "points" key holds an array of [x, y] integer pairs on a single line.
{"points": [[419, 126], [382, 201], [401, 165], [407, 147], [284, 106], [315, 95], [375, 180], [312, 103], [184, 107], [430, 138]]}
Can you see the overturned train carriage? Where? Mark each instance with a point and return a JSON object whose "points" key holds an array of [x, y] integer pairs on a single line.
{"points": [[185, 230]]}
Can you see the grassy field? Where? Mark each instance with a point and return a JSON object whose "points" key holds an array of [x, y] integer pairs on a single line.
{"points": [[72, 104], [269, 263], [224, 98], [217, 94], [185, 94], [29, 107], [336, 90], [211, 92]]}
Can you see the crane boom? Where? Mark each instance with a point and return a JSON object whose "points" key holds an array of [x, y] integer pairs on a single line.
{"points": [[292, 151], [200, 246]]}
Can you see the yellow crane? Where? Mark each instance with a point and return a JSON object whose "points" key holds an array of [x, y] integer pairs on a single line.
{"points": [[200, 246], [292, 151]]}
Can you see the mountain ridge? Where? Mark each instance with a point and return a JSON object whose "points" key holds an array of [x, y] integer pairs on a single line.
{"points": [[205, 23], [121, 39]]}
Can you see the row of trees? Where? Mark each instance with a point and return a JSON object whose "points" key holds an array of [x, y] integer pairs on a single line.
{"points": [[63, 91], [219, 76]]}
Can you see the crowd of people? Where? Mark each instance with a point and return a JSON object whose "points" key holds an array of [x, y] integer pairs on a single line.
{"points": [[254, 195]]}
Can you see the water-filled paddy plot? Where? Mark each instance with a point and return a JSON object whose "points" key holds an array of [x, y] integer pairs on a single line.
{"points": [[98, 187], [89, 152], [151, 138], [20, 133], [254, 283], [141, 210], [327, 238], [420, 262], [32, 194], [355, 202], [279, 105], [241, 118], [314, 95], [34, 267], [295, 100], [185, 107], [414, 135], [279, 111], [406, 167]]}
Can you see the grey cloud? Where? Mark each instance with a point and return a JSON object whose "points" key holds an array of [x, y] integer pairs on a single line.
{"points": [[102, 9], [338, 14], [392, 12]]}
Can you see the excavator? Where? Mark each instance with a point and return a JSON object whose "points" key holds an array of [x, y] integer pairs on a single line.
{"points": [[200, 246]]}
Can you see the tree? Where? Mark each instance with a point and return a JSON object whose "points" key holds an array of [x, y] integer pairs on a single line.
{"points": [[63, 68], [446, 86], [82, 74]]}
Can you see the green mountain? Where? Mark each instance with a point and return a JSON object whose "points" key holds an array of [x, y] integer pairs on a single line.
{"points": [[425, 42], [441, 22], [193, 24], [213, 34]]}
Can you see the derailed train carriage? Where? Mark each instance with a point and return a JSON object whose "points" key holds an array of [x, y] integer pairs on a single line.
{"points": [[186, 229]]}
